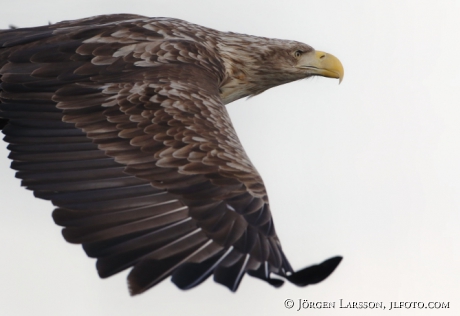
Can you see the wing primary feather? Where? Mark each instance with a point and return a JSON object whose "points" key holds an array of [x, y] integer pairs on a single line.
{"points": [[72, 218], [96, 233], [124, 251], [149, 272], [64, 198], [85, 185], [263, 273], [231, 276], [118, 248], [191, 274]]}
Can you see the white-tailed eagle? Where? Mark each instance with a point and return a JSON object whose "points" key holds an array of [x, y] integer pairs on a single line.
{"points": [[120, 121]]}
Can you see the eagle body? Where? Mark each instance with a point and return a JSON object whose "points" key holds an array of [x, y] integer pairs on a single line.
{"points": [[120, 121]]}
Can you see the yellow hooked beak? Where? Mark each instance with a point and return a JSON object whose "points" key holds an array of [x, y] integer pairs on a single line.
{"points": [[322, 64]]}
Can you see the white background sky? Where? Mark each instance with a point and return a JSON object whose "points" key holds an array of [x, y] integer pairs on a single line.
{"points": [[368, 169]]}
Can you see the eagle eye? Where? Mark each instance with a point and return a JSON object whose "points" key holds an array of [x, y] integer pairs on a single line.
{"points": [[298, 53]]}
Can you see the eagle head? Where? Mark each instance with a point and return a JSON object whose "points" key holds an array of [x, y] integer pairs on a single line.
{"points": [[255, 64]]}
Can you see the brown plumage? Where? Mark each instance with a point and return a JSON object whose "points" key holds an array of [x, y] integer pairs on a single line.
{"points": [[120, 121]]}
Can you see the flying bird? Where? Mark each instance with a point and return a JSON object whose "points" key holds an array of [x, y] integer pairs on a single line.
{"points": [[121, 122]]}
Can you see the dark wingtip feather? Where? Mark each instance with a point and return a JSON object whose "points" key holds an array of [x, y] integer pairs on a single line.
{"points": [[231, 276], [3, 123], [150, 272], [262, 274], [146, 274], [189, 274], [316, 273]]}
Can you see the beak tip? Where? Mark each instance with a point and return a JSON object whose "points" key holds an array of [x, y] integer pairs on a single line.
{"points": [[330, 65]]}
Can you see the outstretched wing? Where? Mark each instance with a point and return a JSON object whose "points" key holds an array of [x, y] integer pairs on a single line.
{"points": [[125, 132]]}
